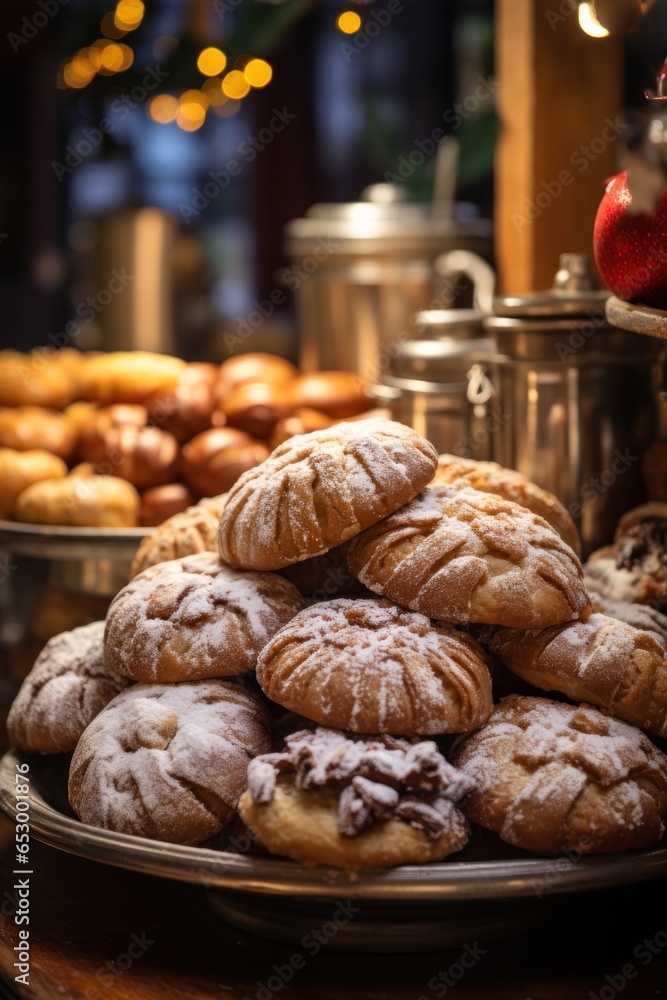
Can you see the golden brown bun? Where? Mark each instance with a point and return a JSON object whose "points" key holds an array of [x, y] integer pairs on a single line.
{"points": [[143, 456], [162, 502], [252, 367], [27, 428], [256, 407], [195, 618], [67, 687], [35, 379], [129, 376], [92, 443], [20, 469], [338, 394], [302, 421], [84, 470], [186, 534], [188, 409], [82, 414], [213, 461], [368, 667], [168, 761], [552, 777], [458, 555], [602, 661], [640, 616], [318, 490], [302, 825], [98, 502], [489, 477]]}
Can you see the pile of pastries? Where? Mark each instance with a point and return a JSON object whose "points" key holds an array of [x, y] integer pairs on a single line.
{"points": [[317, 650], [129, 438]]}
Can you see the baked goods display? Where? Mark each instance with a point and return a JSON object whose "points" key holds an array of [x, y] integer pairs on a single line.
{"points": [[370, 802], [194, 618], [370, 667], [319, 490], [21, 469], [168, 761], [459, 555], [551, 777], [157, 422], [602, 661], [67, 687], [352, 778], [642, 616], [634, 568], [86, 502]]}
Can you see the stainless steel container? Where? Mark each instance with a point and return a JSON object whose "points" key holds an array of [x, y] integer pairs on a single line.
{"points": [[361, 270], [578, 398], [442, 390]]}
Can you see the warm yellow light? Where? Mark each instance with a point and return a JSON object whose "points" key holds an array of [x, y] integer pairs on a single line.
{"points": [[590, 23], [228, 109], [111, 57], [348, 22], [258, 73], [211, 61], [189, 124], [163, 108], [78, 73], [129, 14], [110, 28], [235, 85], [213, 90], [193, 99], [128, 56]]}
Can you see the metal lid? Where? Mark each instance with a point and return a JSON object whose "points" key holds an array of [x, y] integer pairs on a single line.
{"points": [[460, 324], [441, 361], [574, 293]]}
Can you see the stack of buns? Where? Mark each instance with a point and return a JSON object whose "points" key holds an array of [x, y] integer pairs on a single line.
{"points": [[217, 636], [128, 439]]}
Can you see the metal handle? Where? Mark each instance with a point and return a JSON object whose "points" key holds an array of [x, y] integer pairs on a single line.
{"points": [[480, 387], [458, 262]]}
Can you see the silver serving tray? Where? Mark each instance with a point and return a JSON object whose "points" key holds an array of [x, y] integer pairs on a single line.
{"points": [[637, 318], [59, 542], [489, 891]]}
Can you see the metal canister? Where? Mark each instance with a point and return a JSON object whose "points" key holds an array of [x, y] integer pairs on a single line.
{"points": [[442, 390], [362, 269], [578, 398]]}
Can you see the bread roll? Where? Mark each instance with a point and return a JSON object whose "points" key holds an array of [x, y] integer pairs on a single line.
{"points": [[35, 379], [129, 376], [213, 461], [256, 407], [338, 394], [252, 367], [162, 502], [92, 442], [20, 469], [98, 502], [300, 422], [27, 428], [188, 409], [143, 456]]}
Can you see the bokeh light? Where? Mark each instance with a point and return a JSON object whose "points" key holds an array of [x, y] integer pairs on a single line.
{"points": [[111, 57], [129, 14], [110, 28], [348, 22], [258, 73], [163, 108], [228, 109], [192, 110], [589, 22], [213, 90], [235, 85], [211, 61]]}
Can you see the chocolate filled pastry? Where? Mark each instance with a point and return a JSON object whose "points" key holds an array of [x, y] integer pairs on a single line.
{"points": [[458, 555], [634, 568], [168, 762], [129, 376], [97, 502], [552, 777], [256, 407], [188, 409], [29, 428], [20, 469], [213, 461], [369, 667], [192, 531], [67, 687], [144, 456], [602, 661], [318, 490], [374, 802], [162, 502], [338, 394], [92, 442], [195, 618], [252, 367], [489, 477]]}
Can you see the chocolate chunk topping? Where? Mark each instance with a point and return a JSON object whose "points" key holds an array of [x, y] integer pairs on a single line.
{"points": [[641, 541]]}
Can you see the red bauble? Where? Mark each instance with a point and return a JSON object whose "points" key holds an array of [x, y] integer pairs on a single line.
{"points": [[631, 250]]}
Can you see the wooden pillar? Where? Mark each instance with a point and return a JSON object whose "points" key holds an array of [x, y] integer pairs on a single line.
{"points": [[558, 99]]}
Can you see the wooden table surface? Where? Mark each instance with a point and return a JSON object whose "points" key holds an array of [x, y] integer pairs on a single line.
{"points": [[88, 920]]}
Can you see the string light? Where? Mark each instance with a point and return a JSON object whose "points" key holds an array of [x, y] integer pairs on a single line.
{"points": [[163, 108], [235, 85], [589, 22], [129, 14], [211, 61], [348, 22], [192, 110], [258, 73]]}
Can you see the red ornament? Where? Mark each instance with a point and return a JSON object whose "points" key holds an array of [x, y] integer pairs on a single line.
{"points": [[631, 249]]}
